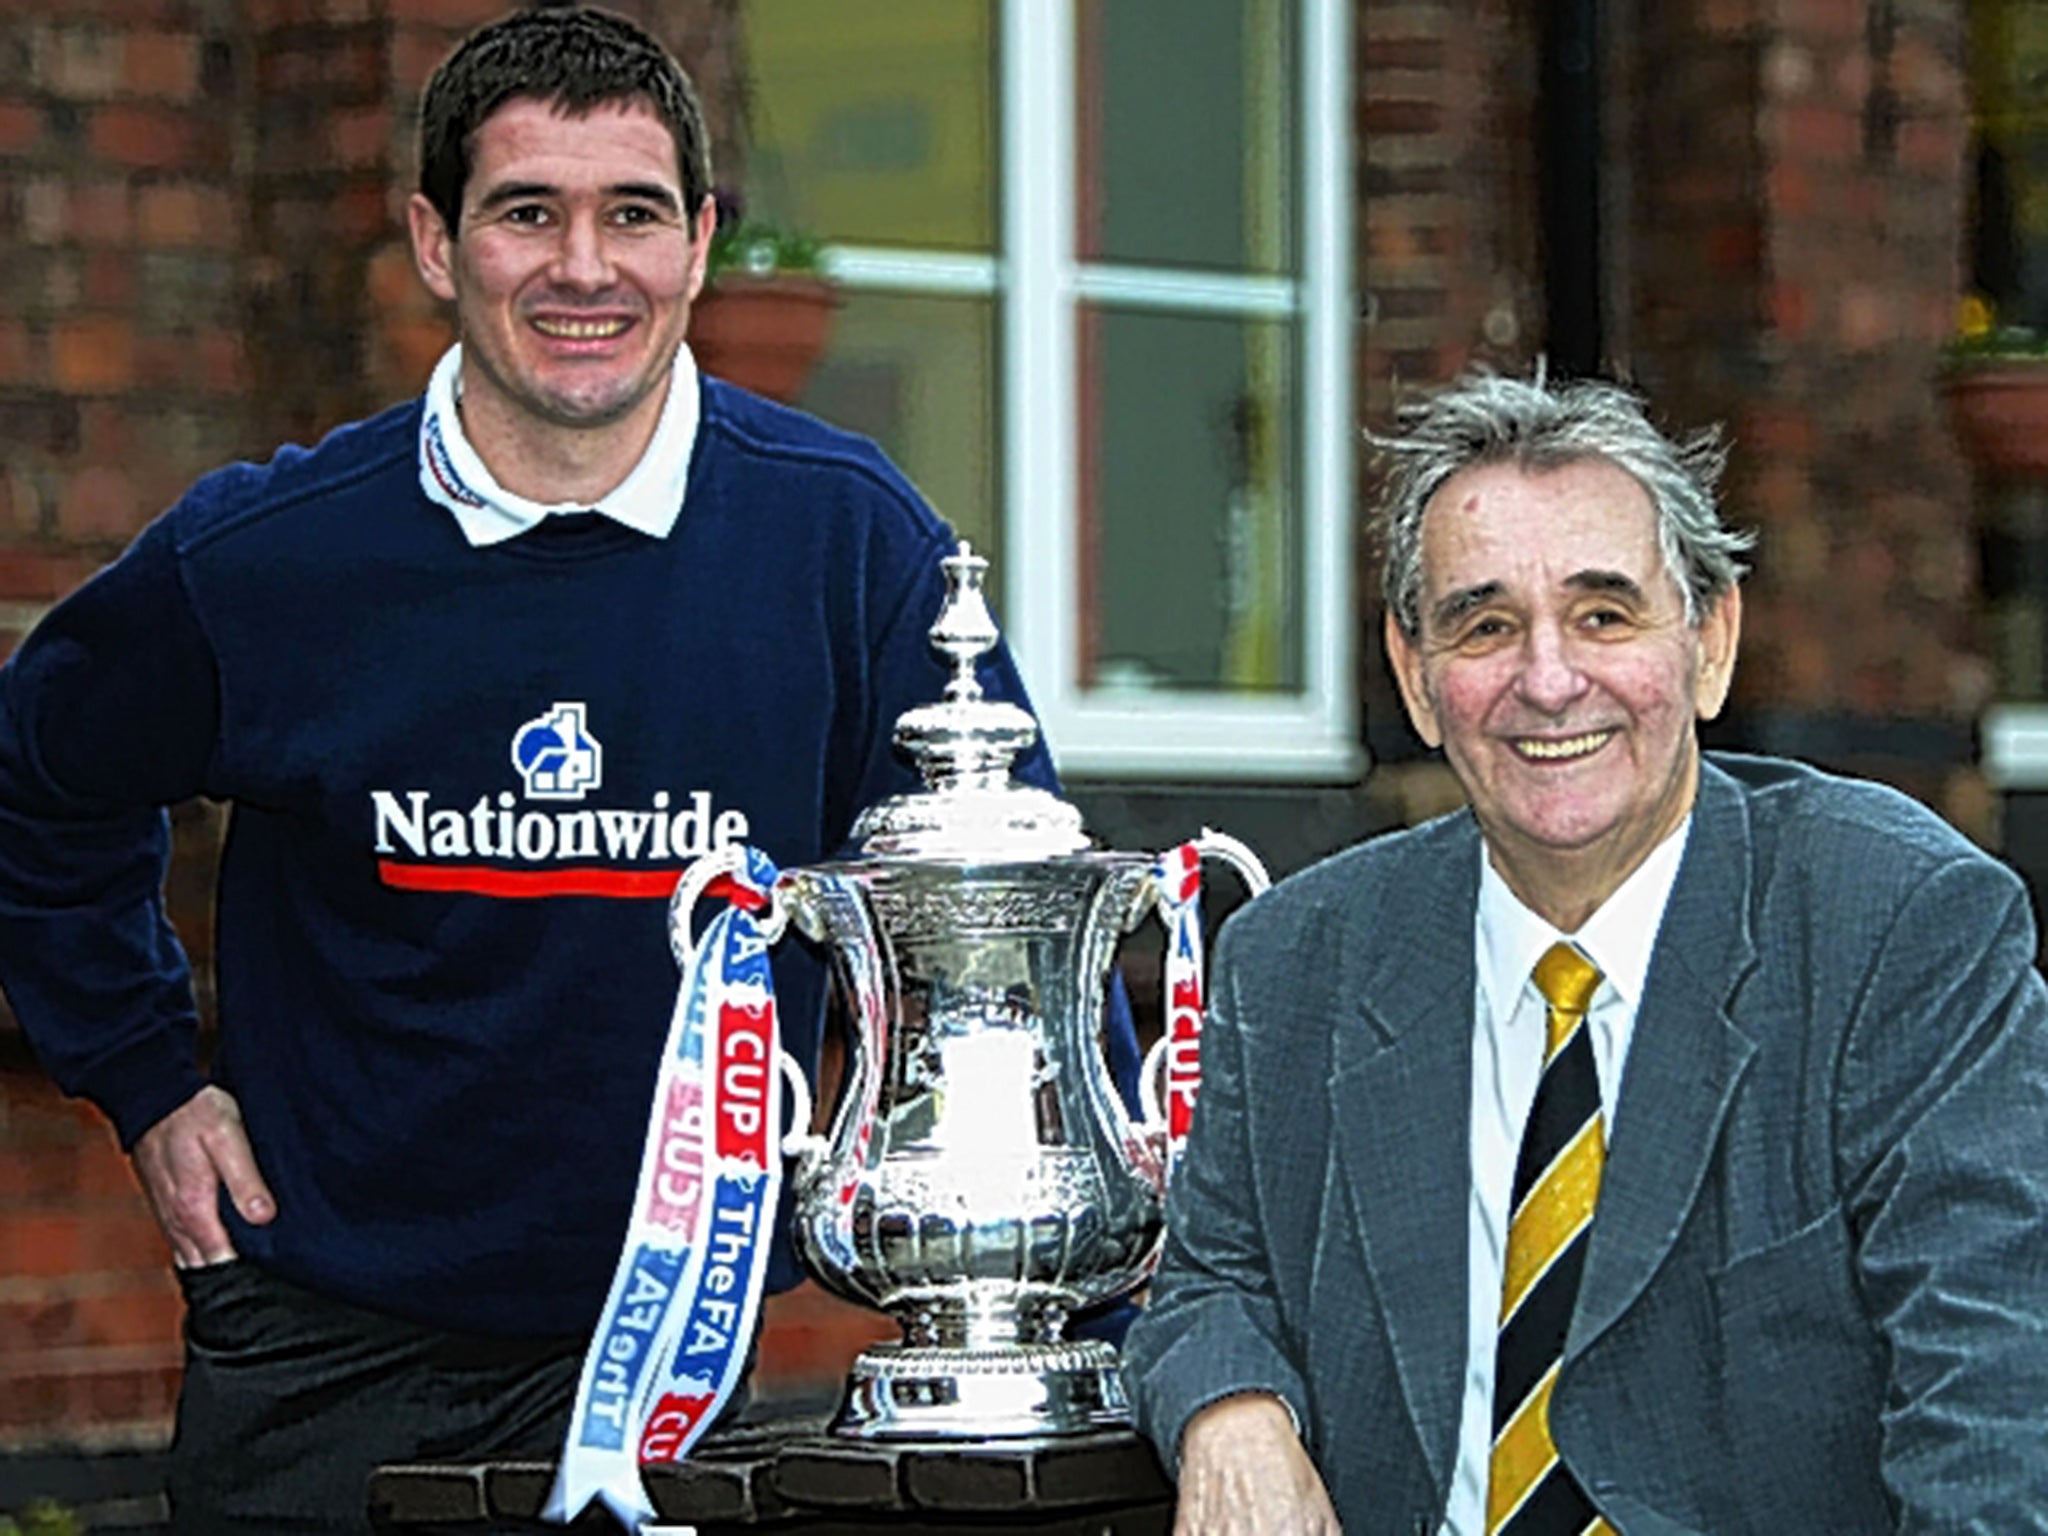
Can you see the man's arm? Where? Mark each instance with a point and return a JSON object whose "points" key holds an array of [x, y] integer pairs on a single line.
{"points": [[185, 1160], [1210, 1378], [1243, 1472], [107, 714], [1943, 1147]]}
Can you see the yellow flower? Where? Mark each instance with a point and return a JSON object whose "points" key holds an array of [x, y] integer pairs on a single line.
{"points": [[1974, 317]]}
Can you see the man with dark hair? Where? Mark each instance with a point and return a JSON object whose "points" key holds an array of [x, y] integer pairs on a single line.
{"points": [[1654, 1146], [480, 675]]}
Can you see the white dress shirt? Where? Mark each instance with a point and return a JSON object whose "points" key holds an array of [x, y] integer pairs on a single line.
{"points": [[453, 474], [1507, 1060]]}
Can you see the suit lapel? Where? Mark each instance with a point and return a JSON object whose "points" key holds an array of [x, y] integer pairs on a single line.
{"points": [[1401, 1101], [1684, 1061]]}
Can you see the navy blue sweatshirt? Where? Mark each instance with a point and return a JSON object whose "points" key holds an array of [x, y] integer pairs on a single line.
{"points": [[463, 783]]}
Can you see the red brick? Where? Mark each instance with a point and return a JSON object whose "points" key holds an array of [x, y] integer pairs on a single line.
{"points": [[1727, 18], [1821, 136], [100, 213], [1932, 144], [33, 575], [139, 1315], [162, 362], [416, 52], [1865, 318], [456, 14], [144, 137], [1394, 116], [1849, 78], [222, 359], [182, 213], [359, 138], [162, 65], [93, 353], [1733, 248], [39, 1323], [21, 127], [1839, 20], [1790, 310], [103, 435], [44, 1243], [100, 504], [20, 355], [109, 280], [125, 1241], [1420, 53], [361, 213], [35, 1403], [1783, 433]]}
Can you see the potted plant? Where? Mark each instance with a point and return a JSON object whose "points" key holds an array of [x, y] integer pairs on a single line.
{"points": [[762, 319], [1996, 383]]}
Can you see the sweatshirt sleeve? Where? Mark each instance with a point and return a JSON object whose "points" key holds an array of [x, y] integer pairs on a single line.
{"points": [[107, 715]]}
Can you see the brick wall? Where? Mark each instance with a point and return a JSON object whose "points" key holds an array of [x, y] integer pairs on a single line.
{"points": [[1796, 263], [122, 375]]}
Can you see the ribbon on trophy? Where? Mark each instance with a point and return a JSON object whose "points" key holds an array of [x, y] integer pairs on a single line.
{"points": [[672, 1341], [1177, 876]]}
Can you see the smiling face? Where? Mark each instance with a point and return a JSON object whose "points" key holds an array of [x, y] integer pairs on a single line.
{"points": [[1557, 670], [571, 274]]}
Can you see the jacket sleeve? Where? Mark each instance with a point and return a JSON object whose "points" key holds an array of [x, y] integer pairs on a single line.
{"points": [[1942, 1136], [1212, 1325], [107, 715]]}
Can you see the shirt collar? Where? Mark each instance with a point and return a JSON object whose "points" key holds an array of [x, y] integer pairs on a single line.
{"points": [[1618, 937], [453, 475]]}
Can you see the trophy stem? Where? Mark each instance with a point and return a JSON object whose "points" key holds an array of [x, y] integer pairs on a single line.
{"points": [[983, 1321]]}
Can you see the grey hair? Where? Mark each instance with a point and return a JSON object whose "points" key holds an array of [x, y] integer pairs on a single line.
{"points": [[1484, 418]]}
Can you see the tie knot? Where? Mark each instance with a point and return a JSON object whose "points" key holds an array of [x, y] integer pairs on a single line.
{"points": [[1566, 978]]}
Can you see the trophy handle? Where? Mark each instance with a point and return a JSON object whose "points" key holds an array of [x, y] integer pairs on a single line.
{"points": [[773, 916], [1238, 855], [1159, 1063]]}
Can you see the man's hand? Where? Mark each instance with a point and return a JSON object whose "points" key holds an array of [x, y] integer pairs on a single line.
{"points": [[1243, 1472], [184, 1159]]}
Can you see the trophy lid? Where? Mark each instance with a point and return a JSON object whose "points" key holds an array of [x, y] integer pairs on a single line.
{"points": [[972, 807]]}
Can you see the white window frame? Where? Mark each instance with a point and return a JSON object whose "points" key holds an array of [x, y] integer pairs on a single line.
{"points": [[1180, 733]]}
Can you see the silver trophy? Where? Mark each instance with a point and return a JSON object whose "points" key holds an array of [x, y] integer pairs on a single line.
{"points": [[981, 1180]]}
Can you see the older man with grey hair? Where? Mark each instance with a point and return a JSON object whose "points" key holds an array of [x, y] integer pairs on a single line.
{"points": [[1656, 1145]]}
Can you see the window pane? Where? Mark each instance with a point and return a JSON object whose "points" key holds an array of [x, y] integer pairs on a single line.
{"points": [[873, 124], [916, 374], [1190, 540], [1186, 138]]}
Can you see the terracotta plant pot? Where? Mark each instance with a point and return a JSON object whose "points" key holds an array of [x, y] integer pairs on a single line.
{"points": [[2000, 410], [762, 333]]}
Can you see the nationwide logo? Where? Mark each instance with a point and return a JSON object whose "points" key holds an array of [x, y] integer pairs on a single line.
{"points": [[557, 757], [551, 848]]}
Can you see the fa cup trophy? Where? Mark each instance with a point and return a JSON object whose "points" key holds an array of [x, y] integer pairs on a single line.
{"points": [[981, 1180]]}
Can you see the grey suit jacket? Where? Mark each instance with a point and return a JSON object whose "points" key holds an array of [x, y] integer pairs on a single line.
{"points": [[1816, 1297]]}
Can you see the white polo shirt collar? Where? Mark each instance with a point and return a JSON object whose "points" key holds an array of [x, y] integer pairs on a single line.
{"points": [[453, 475]]}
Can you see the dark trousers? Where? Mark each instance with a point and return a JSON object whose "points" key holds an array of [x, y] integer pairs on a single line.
{"points": [[290, 1399]]}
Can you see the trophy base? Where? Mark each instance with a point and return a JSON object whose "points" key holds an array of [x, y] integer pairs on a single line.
{"points": [[905, 1392]]}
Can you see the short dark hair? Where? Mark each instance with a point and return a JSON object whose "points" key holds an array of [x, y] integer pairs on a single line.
{"points": [[574, 57]]}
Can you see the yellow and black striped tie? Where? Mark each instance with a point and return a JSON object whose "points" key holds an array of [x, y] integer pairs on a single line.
{"points": [[1557, 1180]]}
